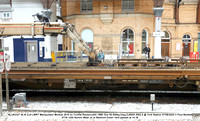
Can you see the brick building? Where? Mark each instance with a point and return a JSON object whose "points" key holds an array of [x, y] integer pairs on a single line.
{"points": [[127, 26]]}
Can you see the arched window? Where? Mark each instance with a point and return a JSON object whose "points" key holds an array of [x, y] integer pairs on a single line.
{"points": [[186, 38], [127, 42], [166, 38], [87, 36], [186, 45], [144, 39]]}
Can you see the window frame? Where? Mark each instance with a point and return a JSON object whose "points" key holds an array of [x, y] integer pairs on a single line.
{"points": [[88, 4], [146, 40], [89, 39], [6, 15], [186, 40], [130, 38], [166, 38], [126, 5]]}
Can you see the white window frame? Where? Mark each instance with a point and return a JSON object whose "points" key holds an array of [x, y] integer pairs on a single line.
{"points": [[73, 45], [146, 41], [186, 40], [88, 36], [164, 37], [6, 15], [128, 40]]}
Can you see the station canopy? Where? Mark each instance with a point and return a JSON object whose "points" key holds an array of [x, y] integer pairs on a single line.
{"points": [[5, 1]]}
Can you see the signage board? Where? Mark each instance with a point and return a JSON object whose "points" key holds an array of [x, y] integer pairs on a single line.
{"points": [[8, 65], [158, 34], [152, 97]]}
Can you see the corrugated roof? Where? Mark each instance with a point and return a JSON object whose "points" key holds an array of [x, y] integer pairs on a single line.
{"points": [[5, 7]]}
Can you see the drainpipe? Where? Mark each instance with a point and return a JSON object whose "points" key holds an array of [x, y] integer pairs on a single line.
{"points": [[177, 4], [198, 13]]}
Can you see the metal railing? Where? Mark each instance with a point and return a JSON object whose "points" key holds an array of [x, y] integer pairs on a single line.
{"points": [[68, 56], [75, 56], [111, 54]]}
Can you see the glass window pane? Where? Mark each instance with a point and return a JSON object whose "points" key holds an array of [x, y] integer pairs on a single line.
{"points": [[131, 48], [124, 36], [127, 42], [144, 33], [86, 5], [131, 35], [144, 36], [128, 5], [126, 31], [128, 35], [124, 46], [73, 45], [165, 40], [143, 46], [166, 35], [144, 40], [188, 36]]}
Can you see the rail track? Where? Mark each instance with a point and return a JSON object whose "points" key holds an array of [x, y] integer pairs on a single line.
{"points": [[106, 91]]}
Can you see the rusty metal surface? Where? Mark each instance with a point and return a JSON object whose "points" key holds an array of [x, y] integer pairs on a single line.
{"points": [[80, 71]]}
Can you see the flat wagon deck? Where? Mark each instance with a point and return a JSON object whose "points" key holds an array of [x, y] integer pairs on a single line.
{"points": [[80, 76]]}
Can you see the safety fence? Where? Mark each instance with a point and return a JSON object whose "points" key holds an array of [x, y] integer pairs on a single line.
{"points": [[67, 56], [75, 56], [111, 55]]}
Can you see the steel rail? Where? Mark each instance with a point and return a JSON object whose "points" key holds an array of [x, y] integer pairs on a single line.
{"points": [[109, 91]]}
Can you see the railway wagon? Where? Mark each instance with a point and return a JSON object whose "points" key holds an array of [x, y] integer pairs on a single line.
{"points": [[127, 76]]}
